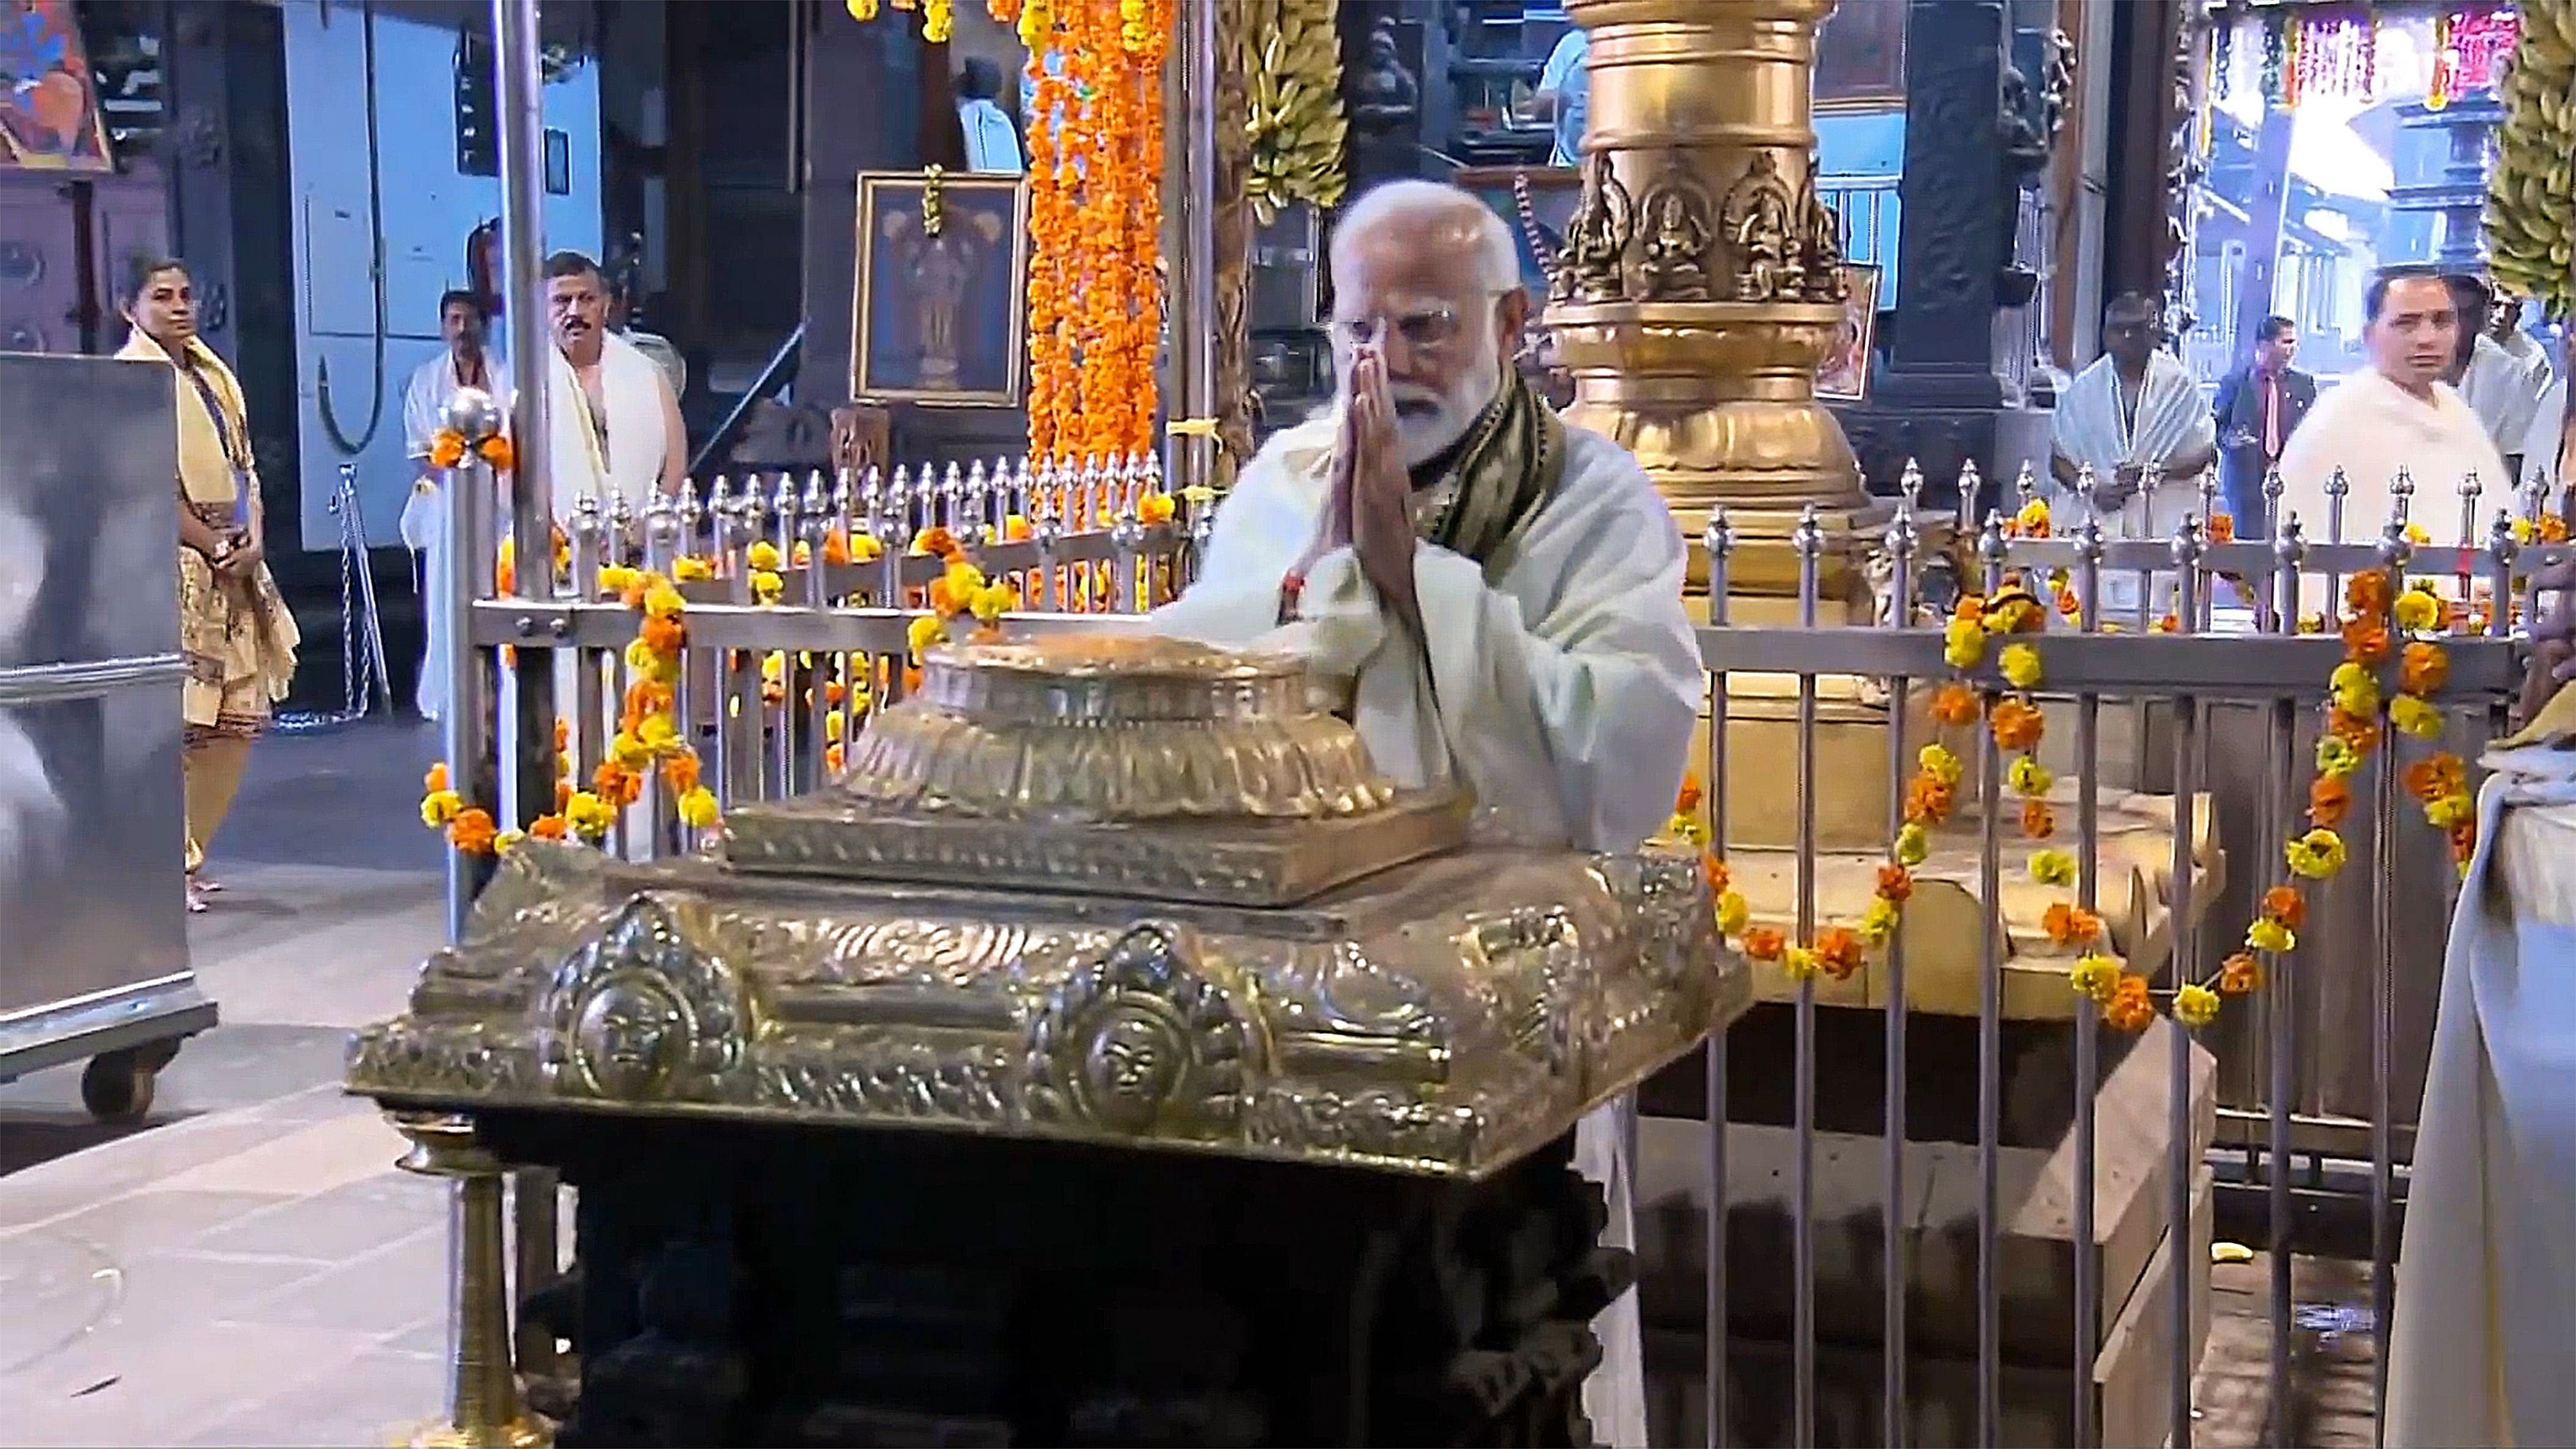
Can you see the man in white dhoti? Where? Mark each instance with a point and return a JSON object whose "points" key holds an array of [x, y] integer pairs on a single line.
{"points": [[615, 425], [2483, 1350], [2395, 413], [464, 363], [1501, 592], [2500, 387], [2137, 420]]}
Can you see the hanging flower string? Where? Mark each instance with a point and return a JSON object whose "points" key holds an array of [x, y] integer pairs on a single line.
{"points": [[2394, 664]]}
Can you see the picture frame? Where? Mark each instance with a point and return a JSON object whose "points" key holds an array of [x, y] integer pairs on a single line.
{"points": [[939, 314], [51, 121], [1844, 375], [1860, 57]]}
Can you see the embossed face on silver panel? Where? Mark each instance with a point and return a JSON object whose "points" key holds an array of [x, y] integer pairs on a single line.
{"points": [[629, 1034]]}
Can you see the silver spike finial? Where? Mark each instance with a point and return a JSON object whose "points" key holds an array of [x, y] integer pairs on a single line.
{"points": [[2026, 482], [1909, 486]]}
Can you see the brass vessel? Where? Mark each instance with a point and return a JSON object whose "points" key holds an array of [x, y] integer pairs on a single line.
{"points": [[1122, 891]]}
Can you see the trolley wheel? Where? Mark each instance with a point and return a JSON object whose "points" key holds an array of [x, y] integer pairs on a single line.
{"points": [[116, 1087]]}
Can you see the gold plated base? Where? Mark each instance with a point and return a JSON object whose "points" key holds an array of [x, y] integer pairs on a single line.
{"points": [[525, 1432]]}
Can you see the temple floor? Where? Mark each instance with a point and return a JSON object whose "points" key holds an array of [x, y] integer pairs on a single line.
{"points": [[247, 1268]]}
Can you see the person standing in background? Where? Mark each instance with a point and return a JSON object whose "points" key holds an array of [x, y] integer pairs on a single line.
{"points": [[237, 636], [2136, 419], [465, 362], [2259, 405], [1565, 94], [2499, 387], [992, 142]]}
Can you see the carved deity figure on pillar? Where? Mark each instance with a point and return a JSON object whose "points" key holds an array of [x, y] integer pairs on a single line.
{"points": [[1768, 262], [1591, 267], [1676, 241], [1824, 251]]}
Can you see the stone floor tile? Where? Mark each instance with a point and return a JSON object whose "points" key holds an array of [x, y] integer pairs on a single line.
{"points": [[167, 1385], [329, 1228], [319, 1158], [390, 1292], [181, 1287], [365, 1402], [116, 1168], [146, 1222]]}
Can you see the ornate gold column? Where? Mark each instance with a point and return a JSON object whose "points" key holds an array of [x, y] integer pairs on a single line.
{"points": [[1701, 279]]}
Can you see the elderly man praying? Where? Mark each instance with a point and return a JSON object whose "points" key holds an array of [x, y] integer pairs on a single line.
{"points": [[1500, 592]]}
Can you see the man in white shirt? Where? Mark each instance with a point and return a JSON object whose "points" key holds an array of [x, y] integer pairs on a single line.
{"points": [[2548, 449], [616, 424], [2395, 413], [992, 143], [1500, 592], [2500, 386], [1565, 94], [2136, 418], [465, 362]]}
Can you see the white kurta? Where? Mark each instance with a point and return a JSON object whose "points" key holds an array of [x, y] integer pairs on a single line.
{"points": [[2543, 441], [2503, 390], [2370, 427], [424, 516], [2170, 422], [1563, 696], [2483, 1349], [628, 462]]}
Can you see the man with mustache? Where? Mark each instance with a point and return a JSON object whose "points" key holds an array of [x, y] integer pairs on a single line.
{"points": [[2395, 413], [463, 363], [1499, 592], [616, 425]]}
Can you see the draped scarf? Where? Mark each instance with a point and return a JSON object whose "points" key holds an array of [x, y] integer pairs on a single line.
{"points": [[1508, 464]]}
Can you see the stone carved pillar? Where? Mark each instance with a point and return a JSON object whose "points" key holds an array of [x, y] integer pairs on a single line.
{"points": [[1700, 282]]}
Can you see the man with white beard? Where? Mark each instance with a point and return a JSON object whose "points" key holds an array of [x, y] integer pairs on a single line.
{"points": [[1500, 592]]}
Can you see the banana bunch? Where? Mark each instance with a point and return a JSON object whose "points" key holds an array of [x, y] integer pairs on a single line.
{"points": [[1293, 61], [2531, 194]]}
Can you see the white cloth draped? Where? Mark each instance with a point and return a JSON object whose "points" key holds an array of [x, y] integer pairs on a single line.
{"points": [[1563, 695], [424, 515], [2370, 427], [628, 463], [2483, 1348], [2091, 426], [2543, 440], [2503, 390]]}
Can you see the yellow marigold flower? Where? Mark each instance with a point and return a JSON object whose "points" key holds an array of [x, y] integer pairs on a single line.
{"points": [[2020, 665], [657, 734], [2448, 811], [1878, 922], [588, 814], [767, 587], [664, 602], [2352, 674], [2361, 701], [773, 665], [439, 807], [2336, 759], [2094, 975], [630, 752], [964, 580], [1964, 644], [1154, 508], [1733, 913], [992, 601], [762, 555], [1912, 843], [1798, 964], [2033, 518], [2028, 776], [1941, 763], [508, 840], [2270, 935], [698, 808], [2052, 867], [690, 569], [833, 725], [1687, 827], [2418, 535], [2312, 623], [2195, 1006], [618, 578], [924, 632], [2415, 717], [2316, 855], [2417, 611], [864, 548]]}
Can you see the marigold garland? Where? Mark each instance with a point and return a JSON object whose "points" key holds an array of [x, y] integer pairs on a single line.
{"points": [[2383, 626]]}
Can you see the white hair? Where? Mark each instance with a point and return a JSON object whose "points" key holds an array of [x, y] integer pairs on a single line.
{"points": [[1426, 203]]}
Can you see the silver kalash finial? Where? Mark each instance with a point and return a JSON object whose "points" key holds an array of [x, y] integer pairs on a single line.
{"points": [[1909, 488], [1971, 486], [2470, 491], [2337, 485], [2025, 484], [2502, 546], [783, 503], [843, 496], [721, 512], [621, 525], [2087, 485], [977, 499], [1719, 537], [1152, 472], [692, 514], [1085, 510], [2209, 490], [2401, 492], [815, 512], [662, 522], [898, 507], [1021, 482], [588, 526], [952, 498], [753, 506], [2189, 543], [1991, 548], [872, 500], [2272, 490]]}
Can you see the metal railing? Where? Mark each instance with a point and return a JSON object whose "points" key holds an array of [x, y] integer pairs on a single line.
{"points": [[2223, 697]]}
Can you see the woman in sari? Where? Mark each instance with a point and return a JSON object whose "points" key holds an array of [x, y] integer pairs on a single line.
{"points": [[236, 634]]}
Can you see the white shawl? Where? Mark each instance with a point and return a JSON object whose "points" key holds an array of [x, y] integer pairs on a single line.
{"points": [[2370, 427], [2483, 1349], [2543, 442], [1563, 695], [629, 464], [2172, 422], [2503, 390]]}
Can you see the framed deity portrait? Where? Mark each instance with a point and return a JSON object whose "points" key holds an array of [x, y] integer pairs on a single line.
{"points": [[939, 313], [1844, 377], [49, 116], [1860, 57]]}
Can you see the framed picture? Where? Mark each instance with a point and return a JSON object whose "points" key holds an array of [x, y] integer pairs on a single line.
{"points": [[49, 117], [1844, 377], [1860, 57], [939, 316]]}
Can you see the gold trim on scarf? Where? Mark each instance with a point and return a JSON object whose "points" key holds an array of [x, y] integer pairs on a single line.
{"points": [[1508, 465]]}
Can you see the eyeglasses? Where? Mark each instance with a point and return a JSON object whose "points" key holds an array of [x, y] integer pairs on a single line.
{"points": [[1424, 330]]}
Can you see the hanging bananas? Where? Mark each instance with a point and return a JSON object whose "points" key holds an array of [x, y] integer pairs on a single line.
{"points": [[2531, 194], [1294, 61]]}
